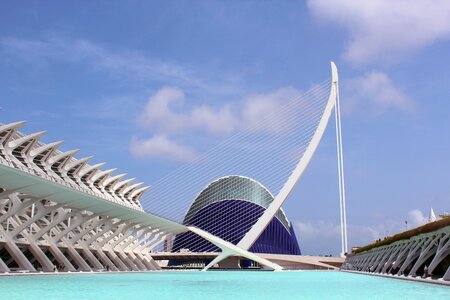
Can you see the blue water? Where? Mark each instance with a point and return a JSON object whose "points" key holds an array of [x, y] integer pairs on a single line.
{"points": [[217, 285]]}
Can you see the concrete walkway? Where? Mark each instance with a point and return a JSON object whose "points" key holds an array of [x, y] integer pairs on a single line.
{"points": [[416, 279], [13, 274]]}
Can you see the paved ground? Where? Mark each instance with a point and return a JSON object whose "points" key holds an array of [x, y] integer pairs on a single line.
{"points": [[86, 273], [288, 262], [305, 262], [417, 279]]}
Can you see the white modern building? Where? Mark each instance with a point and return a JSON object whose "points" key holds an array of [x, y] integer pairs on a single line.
{"points": [[58, 211]]}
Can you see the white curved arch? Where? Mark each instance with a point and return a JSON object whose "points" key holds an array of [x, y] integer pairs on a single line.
{"points": [[253, 234]]}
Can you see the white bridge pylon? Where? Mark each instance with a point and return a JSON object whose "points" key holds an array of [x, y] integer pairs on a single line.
{"points": [[257, 229]]}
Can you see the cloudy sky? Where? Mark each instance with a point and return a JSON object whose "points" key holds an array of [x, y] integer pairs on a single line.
{"points": [[148, 85]]}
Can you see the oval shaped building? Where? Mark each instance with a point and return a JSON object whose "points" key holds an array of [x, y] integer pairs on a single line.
{"points": [[228, 207]]}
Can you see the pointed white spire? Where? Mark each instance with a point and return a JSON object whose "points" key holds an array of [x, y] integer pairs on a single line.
{"points": [[432, 216]]}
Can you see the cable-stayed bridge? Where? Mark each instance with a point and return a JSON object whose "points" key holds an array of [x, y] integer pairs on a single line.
{"points": [[56, 210]]}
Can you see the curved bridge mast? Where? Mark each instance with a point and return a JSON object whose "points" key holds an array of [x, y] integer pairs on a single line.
{"points": [[253, 234]]}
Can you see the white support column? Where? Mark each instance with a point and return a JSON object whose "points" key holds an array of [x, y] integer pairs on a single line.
{"points": [[15, 252], [41, 212], [17, 205], [61, 216], [341, 180], [91, 257], [86, 251], [129, 262], [107, 261], [89, 227], [78, 220], [141, 231], [428, 250], [33, 247], [446, 276], [122, 229], [149, 262], [3, 267], [127, 232], [130, 256], [118, 262], [382, 260], [82, 264], [442, 252], [41, 257], [392, 257], [401, 256], [412, 255], [60, 257]]}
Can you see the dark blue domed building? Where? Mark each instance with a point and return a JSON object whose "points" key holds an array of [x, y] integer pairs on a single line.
{"points": [[228, 208]]}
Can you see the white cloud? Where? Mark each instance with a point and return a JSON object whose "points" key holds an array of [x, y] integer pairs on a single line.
{"points": [[324, 237], [319, 237], [122, 63], [375, 92], [160, 146], [416, 218], [164, 113], [385, 29], [259, 111], [167, 113]]}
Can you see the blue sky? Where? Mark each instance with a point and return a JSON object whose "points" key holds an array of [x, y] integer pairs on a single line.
{"points": [[88, 72]]}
